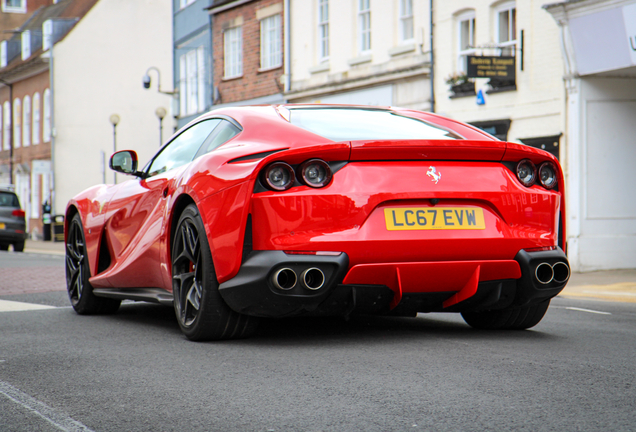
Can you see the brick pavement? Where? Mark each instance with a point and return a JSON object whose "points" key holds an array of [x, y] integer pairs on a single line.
{"points": [[23, 280]]}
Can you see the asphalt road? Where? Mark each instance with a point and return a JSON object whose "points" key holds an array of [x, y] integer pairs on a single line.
{"points": [[134, 371]]}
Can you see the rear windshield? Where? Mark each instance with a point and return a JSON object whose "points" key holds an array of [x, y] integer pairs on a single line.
{"points": [[9, 199], [350, 124]]}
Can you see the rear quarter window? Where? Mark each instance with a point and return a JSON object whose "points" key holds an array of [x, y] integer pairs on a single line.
{"points": [[9, 199]]}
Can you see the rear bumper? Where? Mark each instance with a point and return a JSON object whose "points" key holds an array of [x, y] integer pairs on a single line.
{"points": [[397, 288]]}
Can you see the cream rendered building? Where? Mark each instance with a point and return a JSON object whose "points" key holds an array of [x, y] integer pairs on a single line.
{"points": [[359, 51], [97, 71]]}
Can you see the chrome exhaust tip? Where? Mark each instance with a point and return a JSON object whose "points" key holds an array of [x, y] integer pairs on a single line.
{"points": [[544, 273], [313, 278], [561, 272], [284, 279]]}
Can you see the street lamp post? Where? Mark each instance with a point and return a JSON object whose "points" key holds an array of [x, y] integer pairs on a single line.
{"points": [[160, 113], [114, 119]]}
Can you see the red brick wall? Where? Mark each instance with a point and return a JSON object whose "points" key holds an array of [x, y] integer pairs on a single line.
{"points": [[253, 83]]}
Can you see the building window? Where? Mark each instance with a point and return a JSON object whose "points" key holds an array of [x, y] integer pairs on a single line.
{"points": [[46, 126], [507, 28], [192, 82], [185, 3], [271, 51], [406, 20], [6, 131], [233, 58], [466, 39], [323, 30], [14, 6], [26, 122], [36, 119], [17, 123], [364, 25]]}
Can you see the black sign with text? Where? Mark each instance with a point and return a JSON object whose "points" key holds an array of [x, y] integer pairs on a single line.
{"points": [[502, 68]]}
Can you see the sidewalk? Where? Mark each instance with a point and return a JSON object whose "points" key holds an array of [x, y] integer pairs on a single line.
{"points": [[610, 285]]}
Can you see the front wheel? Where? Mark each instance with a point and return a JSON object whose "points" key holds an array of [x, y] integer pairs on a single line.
{"points": [[200, 309], [80, 291], [519, 318]]}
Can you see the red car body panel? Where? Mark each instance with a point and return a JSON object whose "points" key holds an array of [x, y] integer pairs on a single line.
{"points": [[134, 219]]}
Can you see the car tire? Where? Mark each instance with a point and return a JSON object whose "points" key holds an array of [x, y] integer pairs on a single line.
{"points": [[201, 311], [519, 318], [79, 289], [18, 247]]}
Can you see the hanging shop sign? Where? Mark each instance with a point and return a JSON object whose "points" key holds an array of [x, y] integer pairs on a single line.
{"points": [[502, 68]]}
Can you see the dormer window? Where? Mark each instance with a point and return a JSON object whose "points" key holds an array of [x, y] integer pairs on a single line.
{"points": [[14, 6], [26, 44]]}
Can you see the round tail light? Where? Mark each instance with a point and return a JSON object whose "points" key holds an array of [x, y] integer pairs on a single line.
{"points": [[315, 173], [526, 172], [278, 176], [548, 175]]}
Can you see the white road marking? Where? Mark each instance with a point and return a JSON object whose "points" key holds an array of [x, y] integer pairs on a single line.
{"points": [[56, 418], [14, 306], [587, 310]]}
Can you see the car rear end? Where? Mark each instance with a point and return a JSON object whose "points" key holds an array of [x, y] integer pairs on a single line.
{"points": [[12, 221], [404, 226]]}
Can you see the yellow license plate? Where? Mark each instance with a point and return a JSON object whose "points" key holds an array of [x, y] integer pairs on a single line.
{"points": [[434, 218], [2, 226]]}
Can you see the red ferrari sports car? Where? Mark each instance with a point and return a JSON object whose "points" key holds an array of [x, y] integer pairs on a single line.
{"points": [[288, 210]]}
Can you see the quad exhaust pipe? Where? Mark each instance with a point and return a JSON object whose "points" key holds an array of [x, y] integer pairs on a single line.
{"points": [[285, 279], [546, 273]]}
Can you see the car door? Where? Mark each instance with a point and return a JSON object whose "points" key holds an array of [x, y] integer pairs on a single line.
{"points": [[137, 211]]}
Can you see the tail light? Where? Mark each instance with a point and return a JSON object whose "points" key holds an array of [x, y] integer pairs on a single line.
{"points": [[18, 213], [548, 175], [278, 176], [526, 172], [315, 173]]}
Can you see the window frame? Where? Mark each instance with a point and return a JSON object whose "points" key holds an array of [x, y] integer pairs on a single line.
{"points": [[6, 130], [26, 121], [185, 3], [14, 9], [17, 123], [323, 30], [511, 31], [46, 116], [35, 124], [192, 81], [271, 42], [406, 15], [364, 26], [462, 53], [233, 53]]}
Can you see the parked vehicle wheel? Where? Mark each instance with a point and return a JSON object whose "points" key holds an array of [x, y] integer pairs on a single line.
{"points": [[18, 247], [519, 318], [79, 288], [201, 312]]}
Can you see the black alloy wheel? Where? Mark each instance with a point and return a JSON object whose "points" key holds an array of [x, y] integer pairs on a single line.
{"points": [[80, 291], [201, 312]]}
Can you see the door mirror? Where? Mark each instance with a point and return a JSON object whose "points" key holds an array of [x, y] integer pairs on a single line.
{"points": [[125, 162]]}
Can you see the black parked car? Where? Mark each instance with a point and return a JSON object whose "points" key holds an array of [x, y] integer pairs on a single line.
{"points": [[12, 221]]}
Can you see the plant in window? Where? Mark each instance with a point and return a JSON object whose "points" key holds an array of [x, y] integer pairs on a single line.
{"points": [[460, 83]]}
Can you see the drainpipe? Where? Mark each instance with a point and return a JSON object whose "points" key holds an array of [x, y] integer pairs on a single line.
{"points": [[287, 29], [432, 73]]}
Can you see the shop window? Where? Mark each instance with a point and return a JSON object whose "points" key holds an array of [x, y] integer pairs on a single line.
{"points": [[547, 143], [496, 128]]}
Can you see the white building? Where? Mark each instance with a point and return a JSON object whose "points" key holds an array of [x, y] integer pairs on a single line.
{"points": [[598, 38], [97, 71], [363, 51]]}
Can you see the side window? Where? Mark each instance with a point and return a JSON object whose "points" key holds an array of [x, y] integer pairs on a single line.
{"points": [[221, 134], [183, 148]]}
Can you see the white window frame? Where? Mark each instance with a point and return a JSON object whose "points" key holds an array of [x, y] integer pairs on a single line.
{"points": [[271, 43], [364, 26], [323, 30], [46, 109], [233, 52], [469, 18], [3, 145], [35, 136], [17, 123], [185, 3], [6, 132], [406, 22], [192, 81], [26, 121], [14, 9], [510, 38]]}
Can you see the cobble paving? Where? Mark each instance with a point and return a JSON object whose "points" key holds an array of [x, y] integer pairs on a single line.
{"points": [[31, 273]]}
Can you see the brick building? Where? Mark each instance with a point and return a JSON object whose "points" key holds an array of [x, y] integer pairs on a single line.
{"points": [[248, 51]]}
